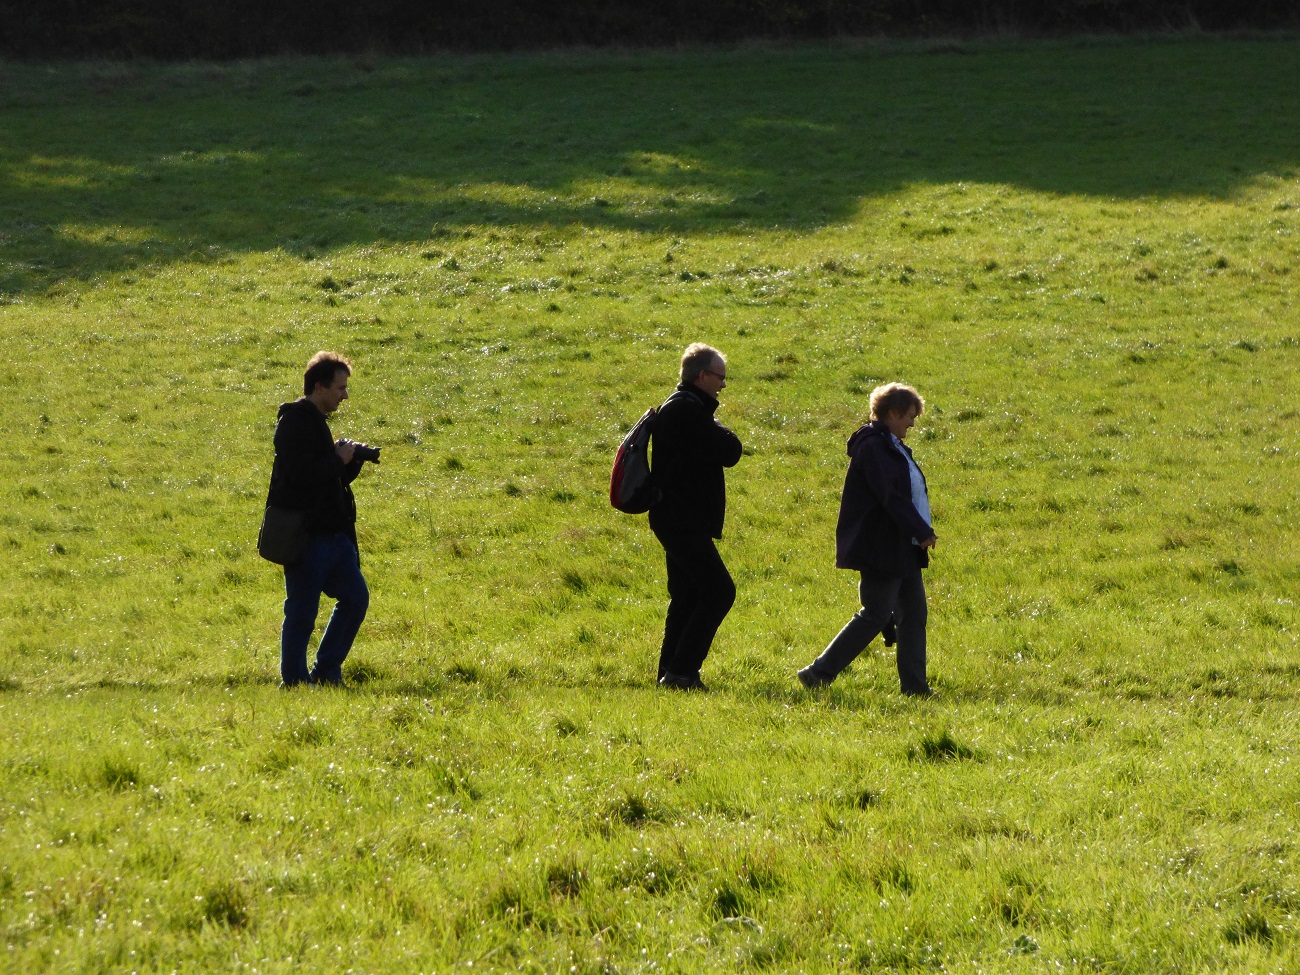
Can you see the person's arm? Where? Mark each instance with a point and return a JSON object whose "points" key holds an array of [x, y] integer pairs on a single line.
{"points": [[347, 454], [351, 469], [879, 472], [706, 441], [723, 444]]}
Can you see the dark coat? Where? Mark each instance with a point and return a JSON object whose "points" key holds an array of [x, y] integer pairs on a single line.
{"points": [[688, 451], [877, 518], [308, 475]]}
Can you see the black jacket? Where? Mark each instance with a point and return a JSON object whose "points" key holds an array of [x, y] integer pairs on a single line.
{"points": [[877, 518], [688, 451], [308, 475]]}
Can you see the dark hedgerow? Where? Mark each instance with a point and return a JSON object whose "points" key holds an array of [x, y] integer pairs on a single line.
{"points": [[250, 28]]}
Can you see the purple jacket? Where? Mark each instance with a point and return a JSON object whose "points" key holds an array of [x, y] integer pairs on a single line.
{"points": [[877, 518]]}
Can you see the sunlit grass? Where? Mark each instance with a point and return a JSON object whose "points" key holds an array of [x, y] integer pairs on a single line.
{"points": [[1084, 256]]}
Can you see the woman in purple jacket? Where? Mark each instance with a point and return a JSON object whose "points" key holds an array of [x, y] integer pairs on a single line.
{"points": [[884, 533]]}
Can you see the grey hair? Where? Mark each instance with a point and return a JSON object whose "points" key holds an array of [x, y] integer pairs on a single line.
{"points": [[697, 358]]}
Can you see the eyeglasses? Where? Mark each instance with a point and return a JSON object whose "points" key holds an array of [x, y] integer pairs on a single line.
{"points": [[717, 375]]}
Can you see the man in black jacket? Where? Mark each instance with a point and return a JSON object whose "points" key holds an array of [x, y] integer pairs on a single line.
{"points": [[688, 452], [885, 533], [313, 474]]}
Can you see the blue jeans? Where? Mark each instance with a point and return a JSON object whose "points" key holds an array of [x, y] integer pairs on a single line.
{"points": [[330, 565]]}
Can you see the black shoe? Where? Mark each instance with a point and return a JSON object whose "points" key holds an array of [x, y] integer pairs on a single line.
{"points": [[809, 678], [923, 692], [676, 682], [319, 680]]}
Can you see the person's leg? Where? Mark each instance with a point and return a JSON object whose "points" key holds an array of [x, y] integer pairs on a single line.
{"points": [[344, 583], [878, 597], [303, 581], [681, 604], [913, 614], [714, 593]]}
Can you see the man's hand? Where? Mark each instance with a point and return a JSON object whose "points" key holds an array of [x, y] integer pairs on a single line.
{"points": [[345, 448], [930, 542]]}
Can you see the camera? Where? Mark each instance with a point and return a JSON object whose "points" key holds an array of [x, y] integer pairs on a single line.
{"points": [[363, 451]]}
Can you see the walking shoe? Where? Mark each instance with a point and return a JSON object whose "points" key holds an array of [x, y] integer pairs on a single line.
{"points": [[809, 678], [676, 682]]}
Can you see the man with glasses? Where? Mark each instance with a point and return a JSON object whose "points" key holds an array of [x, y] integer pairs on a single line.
{"points": [[688, 451]]}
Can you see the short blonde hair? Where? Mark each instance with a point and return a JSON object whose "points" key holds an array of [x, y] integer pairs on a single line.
{"points": [[895, 398]]}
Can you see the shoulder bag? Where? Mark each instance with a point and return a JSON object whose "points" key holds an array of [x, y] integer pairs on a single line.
{"points": [[283, 536]]}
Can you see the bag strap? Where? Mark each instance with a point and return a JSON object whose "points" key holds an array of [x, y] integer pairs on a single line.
{"points": [[680, 395]]}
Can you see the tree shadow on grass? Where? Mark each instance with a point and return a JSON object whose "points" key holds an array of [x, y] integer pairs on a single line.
{"points": [[104, 168]]}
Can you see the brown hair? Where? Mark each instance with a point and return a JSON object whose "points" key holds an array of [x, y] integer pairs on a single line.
{"points": [[322, 369]]}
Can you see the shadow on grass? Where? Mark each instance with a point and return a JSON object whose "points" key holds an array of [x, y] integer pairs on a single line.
{"points": [[104, 168]]}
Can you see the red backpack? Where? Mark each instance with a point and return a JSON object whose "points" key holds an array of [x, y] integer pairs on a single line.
{"points": [[631, 485], [631, 488]]}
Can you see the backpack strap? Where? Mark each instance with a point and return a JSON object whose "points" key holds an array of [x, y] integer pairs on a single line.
{"points": [[680, 395]]}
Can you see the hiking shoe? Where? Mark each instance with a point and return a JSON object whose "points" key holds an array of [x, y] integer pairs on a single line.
{"points": [[810, 678], [676, 682]]}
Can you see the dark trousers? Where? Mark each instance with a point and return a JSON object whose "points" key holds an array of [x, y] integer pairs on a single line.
{"points": [[700, 594], [329, 565], [903, 598]]}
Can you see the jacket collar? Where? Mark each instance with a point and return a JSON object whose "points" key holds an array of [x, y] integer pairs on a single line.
{"points": [[705, 400], [894, 441], [874, 428]]}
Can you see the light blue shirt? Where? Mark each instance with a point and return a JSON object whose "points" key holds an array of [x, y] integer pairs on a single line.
{"points": [[920, 499]]}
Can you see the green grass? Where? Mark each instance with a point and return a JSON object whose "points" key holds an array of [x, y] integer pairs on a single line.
{"points": [[1084, 254]]}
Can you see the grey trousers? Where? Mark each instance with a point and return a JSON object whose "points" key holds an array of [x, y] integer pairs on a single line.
{"points": [[903, 598]]}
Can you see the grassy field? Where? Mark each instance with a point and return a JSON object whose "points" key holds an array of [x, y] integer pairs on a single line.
{"points": [[1084, 254]]}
